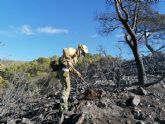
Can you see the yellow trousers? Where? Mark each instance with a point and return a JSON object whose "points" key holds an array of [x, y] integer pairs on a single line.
{"points": [[65, 80]]}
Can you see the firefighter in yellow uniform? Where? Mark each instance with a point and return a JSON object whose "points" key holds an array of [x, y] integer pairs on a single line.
{"points": [[68, 60]]}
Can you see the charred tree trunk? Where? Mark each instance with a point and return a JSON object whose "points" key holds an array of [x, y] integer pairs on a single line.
{"points": [[140, 66], [130, 37], [139, 62]]}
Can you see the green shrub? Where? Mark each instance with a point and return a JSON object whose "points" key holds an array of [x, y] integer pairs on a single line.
{"points": [[3, 83], [43, 60]]}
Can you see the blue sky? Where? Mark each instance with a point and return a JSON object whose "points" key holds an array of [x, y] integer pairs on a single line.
{"points": [[42, 28]]}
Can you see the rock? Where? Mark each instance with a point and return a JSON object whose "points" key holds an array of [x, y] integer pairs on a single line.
{"points": [[128, 122], [57, 100], [1, 104], [11, 121], [141, 91], [81, 118], [138, 114], [52, 105], [18, 121], [78, 118], [162, 82], [163, 86], [109, 121], [74, 101], [1, 115], [141, 104], [3, 119], [24, 108], [148, 105], [160, 120], [124, 82], [68, 113], [163, 109], [133, 101], [87, 103], [121, 103], [140, 122], [102, 104], [32, 113], [75, 119], [49, 105], [25, 120]]}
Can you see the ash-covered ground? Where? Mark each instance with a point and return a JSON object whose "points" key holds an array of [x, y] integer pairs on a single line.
{"points": [[98, 102]]}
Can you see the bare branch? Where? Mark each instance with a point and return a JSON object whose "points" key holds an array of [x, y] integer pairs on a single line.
{"points": [[124, 10], [118, 11], [162, 47], [135, 15]]}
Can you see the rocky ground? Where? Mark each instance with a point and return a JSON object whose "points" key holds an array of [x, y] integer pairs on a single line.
{"points": [[97, 105], [99, 102]]}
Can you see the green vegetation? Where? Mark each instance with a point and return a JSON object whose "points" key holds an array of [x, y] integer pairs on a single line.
{"points": [[34, 68], [40, 66], [3, 82], [89, 58], [37, 73]]}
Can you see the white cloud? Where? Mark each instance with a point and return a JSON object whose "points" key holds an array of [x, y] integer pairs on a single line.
{"points": [[26, 29], [51, 30]]}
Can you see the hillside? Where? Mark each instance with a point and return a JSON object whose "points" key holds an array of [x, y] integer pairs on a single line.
{"points": [[112, 95]]}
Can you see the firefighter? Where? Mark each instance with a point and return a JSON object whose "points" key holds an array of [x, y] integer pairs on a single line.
{"points": [[67, 61]]}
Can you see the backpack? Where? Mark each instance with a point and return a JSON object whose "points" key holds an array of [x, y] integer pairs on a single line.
{"points": [[54, 65]]}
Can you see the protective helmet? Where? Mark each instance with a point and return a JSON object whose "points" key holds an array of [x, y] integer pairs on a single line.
{"points": [[83, 48]]}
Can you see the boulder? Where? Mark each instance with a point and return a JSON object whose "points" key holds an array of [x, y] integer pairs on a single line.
{"points": [[133, 100]]}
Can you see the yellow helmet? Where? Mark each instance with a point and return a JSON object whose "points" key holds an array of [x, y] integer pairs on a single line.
{"points": [[83, 48]]}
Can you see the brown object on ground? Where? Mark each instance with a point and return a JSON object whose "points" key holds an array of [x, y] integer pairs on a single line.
{"points": [[91, 94]]}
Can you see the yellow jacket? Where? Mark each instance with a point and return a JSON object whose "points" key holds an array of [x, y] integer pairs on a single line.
{"points": [[69, 57]]}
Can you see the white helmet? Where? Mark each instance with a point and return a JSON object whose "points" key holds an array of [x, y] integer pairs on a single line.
{"points": [[84, 48]]}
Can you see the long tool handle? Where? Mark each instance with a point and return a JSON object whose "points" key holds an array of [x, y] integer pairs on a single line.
{"points": [[83, 80]]}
